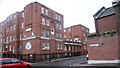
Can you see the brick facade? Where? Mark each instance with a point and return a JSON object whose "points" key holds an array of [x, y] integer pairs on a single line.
{"points": [[103, 47], [35, 30], [106, 23], [76, 34]]}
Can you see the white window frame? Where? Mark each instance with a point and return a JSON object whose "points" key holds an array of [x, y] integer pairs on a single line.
{"points": [[48, 33], [43, 33], [10, 48], [60, 27], [46, 11], [43, 21], [42, 10], [48, 46], [47, 22], [61, 46], [64, 36], [58, 46], [10, 38], [14, 27]]}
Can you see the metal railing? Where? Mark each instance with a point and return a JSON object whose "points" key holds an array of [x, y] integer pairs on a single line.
{"points": [[41, 57]]}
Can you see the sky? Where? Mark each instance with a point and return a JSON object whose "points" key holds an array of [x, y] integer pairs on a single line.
{"points": [[74, 11]]}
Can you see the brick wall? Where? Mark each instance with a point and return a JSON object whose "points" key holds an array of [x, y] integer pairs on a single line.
{"points": [[106, 24], [107, 49]]}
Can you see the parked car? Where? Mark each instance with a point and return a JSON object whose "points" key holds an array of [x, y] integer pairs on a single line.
{"points": [[14, 63]]}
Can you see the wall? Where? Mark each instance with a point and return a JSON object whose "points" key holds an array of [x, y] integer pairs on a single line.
{"points": [[106, 24], [107, 49]]}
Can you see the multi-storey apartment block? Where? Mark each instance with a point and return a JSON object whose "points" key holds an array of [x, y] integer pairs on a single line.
{"points": [[75, 38], [35, 30]]}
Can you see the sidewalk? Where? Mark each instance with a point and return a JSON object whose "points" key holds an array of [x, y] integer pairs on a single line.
{"points": [[56, 60]]}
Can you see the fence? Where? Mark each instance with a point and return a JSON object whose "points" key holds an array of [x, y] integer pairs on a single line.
{"points": [[41, 57]]}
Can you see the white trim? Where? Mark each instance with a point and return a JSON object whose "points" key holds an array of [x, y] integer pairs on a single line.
{"points": [[44, 38], [28, 38], [102, 61], [28, 29], [59, 40]]}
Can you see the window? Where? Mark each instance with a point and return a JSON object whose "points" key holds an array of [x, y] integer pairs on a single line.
{"points": [[46, 11], [42, 10], [47, 22], [5, 61], [69, 48], [57, 35], [60, 27], [43, 21], [13, 48], [10, 38], [59, 17], [10, 28], [20, 36], [14, 27], [47, 33], [7, 38], [28, 27], [45, 46], [60, 36], [58, 46], [15, 61], [22, 25], [64, 36], [48, 46], [56, 16], [85, 47], [65, 48], [64, 30], [13, 37], [57, 26], [43, 33], [10, 48], [70, 36]]}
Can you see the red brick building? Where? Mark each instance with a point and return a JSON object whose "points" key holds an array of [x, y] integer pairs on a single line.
{"points": [[35, 30], [0, 40], [10, 34], [43, 30], [103, 47], [75, 38]]}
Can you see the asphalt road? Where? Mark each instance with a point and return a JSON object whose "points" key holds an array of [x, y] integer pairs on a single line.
{"points": [[74, 62], [62, 63]]}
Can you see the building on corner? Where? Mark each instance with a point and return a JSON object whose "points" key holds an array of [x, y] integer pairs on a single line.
{"points": [[75, 38]]}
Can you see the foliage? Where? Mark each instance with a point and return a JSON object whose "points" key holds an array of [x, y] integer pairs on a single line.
{"points": [[102, 34]]}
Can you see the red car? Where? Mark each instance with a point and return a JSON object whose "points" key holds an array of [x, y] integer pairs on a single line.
{"points": [[14, 63]]}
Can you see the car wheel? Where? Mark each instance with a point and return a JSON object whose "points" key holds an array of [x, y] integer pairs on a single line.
{"points": [[27, 66]]}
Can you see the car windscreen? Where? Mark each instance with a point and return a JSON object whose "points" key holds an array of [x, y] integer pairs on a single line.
{"points": [[5, 62], [15, 61]]}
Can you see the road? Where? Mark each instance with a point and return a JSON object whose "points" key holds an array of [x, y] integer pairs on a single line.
{"points": [[66, 62]]}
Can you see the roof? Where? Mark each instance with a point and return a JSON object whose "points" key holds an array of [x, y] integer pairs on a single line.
{"points": [[103, 12], [6, 58]]}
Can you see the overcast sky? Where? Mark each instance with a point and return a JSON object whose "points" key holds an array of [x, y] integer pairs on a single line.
{"points": [[74, 11]]}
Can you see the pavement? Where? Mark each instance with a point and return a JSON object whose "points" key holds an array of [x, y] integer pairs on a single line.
{"points": [[54, 60], [81, 63]]}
